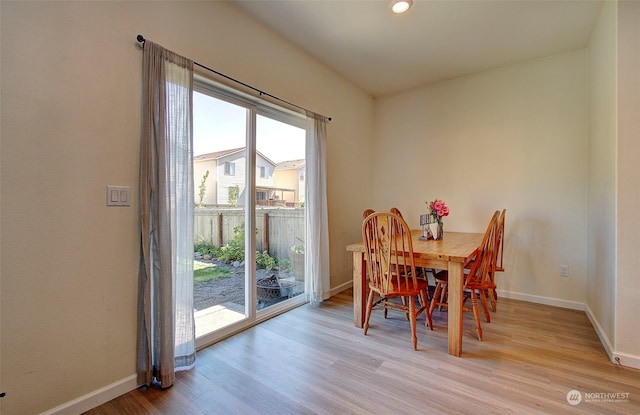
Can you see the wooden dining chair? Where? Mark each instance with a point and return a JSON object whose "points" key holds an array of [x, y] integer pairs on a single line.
{"points": [[396, 211], [366, 213], [424, 271], [491, 291], [391, 270], [478, 280]]}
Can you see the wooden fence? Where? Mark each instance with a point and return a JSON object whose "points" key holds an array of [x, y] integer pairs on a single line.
{"points": [[278, 230]]}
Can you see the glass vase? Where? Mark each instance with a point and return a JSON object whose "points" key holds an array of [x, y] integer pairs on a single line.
{"points": [[436, 229]]}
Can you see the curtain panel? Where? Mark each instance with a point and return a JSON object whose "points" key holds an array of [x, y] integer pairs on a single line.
{"points": [[317, 279], [166, 337]]}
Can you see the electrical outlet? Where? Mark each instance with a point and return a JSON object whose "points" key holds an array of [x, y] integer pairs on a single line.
{"points": [[564, 270]]}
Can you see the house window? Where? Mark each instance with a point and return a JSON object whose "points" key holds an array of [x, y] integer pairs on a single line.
{"points": [[260, 195], [263, 172], [229, 168], [302, 175]]}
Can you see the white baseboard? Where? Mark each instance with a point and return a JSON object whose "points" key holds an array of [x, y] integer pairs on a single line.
{"points": [[602, 335], [538, 299], [96, 398], [341, 287], [618, 358], [625, 359]]}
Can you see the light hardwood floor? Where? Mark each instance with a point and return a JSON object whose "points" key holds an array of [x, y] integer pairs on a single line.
{"points": [[312, 360]]}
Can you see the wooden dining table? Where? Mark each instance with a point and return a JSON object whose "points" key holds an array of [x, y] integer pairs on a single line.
{"points": [[452, 253]]}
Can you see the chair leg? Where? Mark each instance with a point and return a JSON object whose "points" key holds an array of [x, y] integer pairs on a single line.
{"points": [[434, 299], [483, 299], [412, 319], [443, 296], [426, 278], [476, 313], [367, 314], [404, 303], [427, 307], [493, 298]]}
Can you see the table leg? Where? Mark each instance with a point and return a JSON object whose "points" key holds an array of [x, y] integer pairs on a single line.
{"points": [[456, 281], [359, 284]]}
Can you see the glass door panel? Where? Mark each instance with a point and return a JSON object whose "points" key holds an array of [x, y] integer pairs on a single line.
{"points": [[280, 191], [220, 187]]}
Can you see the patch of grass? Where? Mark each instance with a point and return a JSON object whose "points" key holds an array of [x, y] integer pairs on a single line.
{"points": [[203, 272]]}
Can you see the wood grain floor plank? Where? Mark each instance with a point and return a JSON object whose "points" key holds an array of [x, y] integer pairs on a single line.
{"points": [[312, 360]]}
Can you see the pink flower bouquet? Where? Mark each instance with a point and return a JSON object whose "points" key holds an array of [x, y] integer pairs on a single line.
{"points": [[438, 209]]}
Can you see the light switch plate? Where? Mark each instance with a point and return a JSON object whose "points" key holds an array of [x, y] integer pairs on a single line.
{"points": [[118, 196]]}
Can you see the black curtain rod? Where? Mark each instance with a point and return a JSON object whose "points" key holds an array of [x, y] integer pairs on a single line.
{"points": [[141, 39]]}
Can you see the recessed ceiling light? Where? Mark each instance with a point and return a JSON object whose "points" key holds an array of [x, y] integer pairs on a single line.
{"points": [[401, 6]]}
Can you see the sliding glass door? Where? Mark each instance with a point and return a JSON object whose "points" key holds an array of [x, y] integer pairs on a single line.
{"points": [[249, 172]]}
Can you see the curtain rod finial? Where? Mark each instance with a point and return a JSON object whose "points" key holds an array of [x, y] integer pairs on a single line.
{"points": [[140, 38]]}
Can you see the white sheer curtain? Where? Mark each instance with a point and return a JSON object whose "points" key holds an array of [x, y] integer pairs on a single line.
{"points": [[166, 341], [317, 283]]}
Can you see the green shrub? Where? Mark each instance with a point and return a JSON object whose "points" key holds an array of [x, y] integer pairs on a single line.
{"points": [[284, 264], [203, 188], [205, 248], [234, 249], [264, 260], [234, 192]]}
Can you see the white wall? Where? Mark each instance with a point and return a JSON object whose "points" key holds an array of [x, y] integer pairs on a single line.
{"points": [[514, 138], [627, 291], [601, 245], [71, 104], [614, 196]]}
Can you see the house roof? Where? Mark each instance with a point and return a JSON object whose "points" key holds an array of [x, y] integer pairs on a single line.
{"points": [[218, 154], [290, 164], [223, 153]]}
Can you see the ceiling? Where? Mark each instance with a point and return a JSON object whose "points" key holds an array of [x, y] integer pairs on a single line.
{"points": [[384, 53]]}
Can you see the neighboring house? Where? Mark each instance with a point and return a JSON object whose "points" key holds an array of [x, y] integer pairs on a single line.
{"points": [[290, 174], [227, 169]]}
